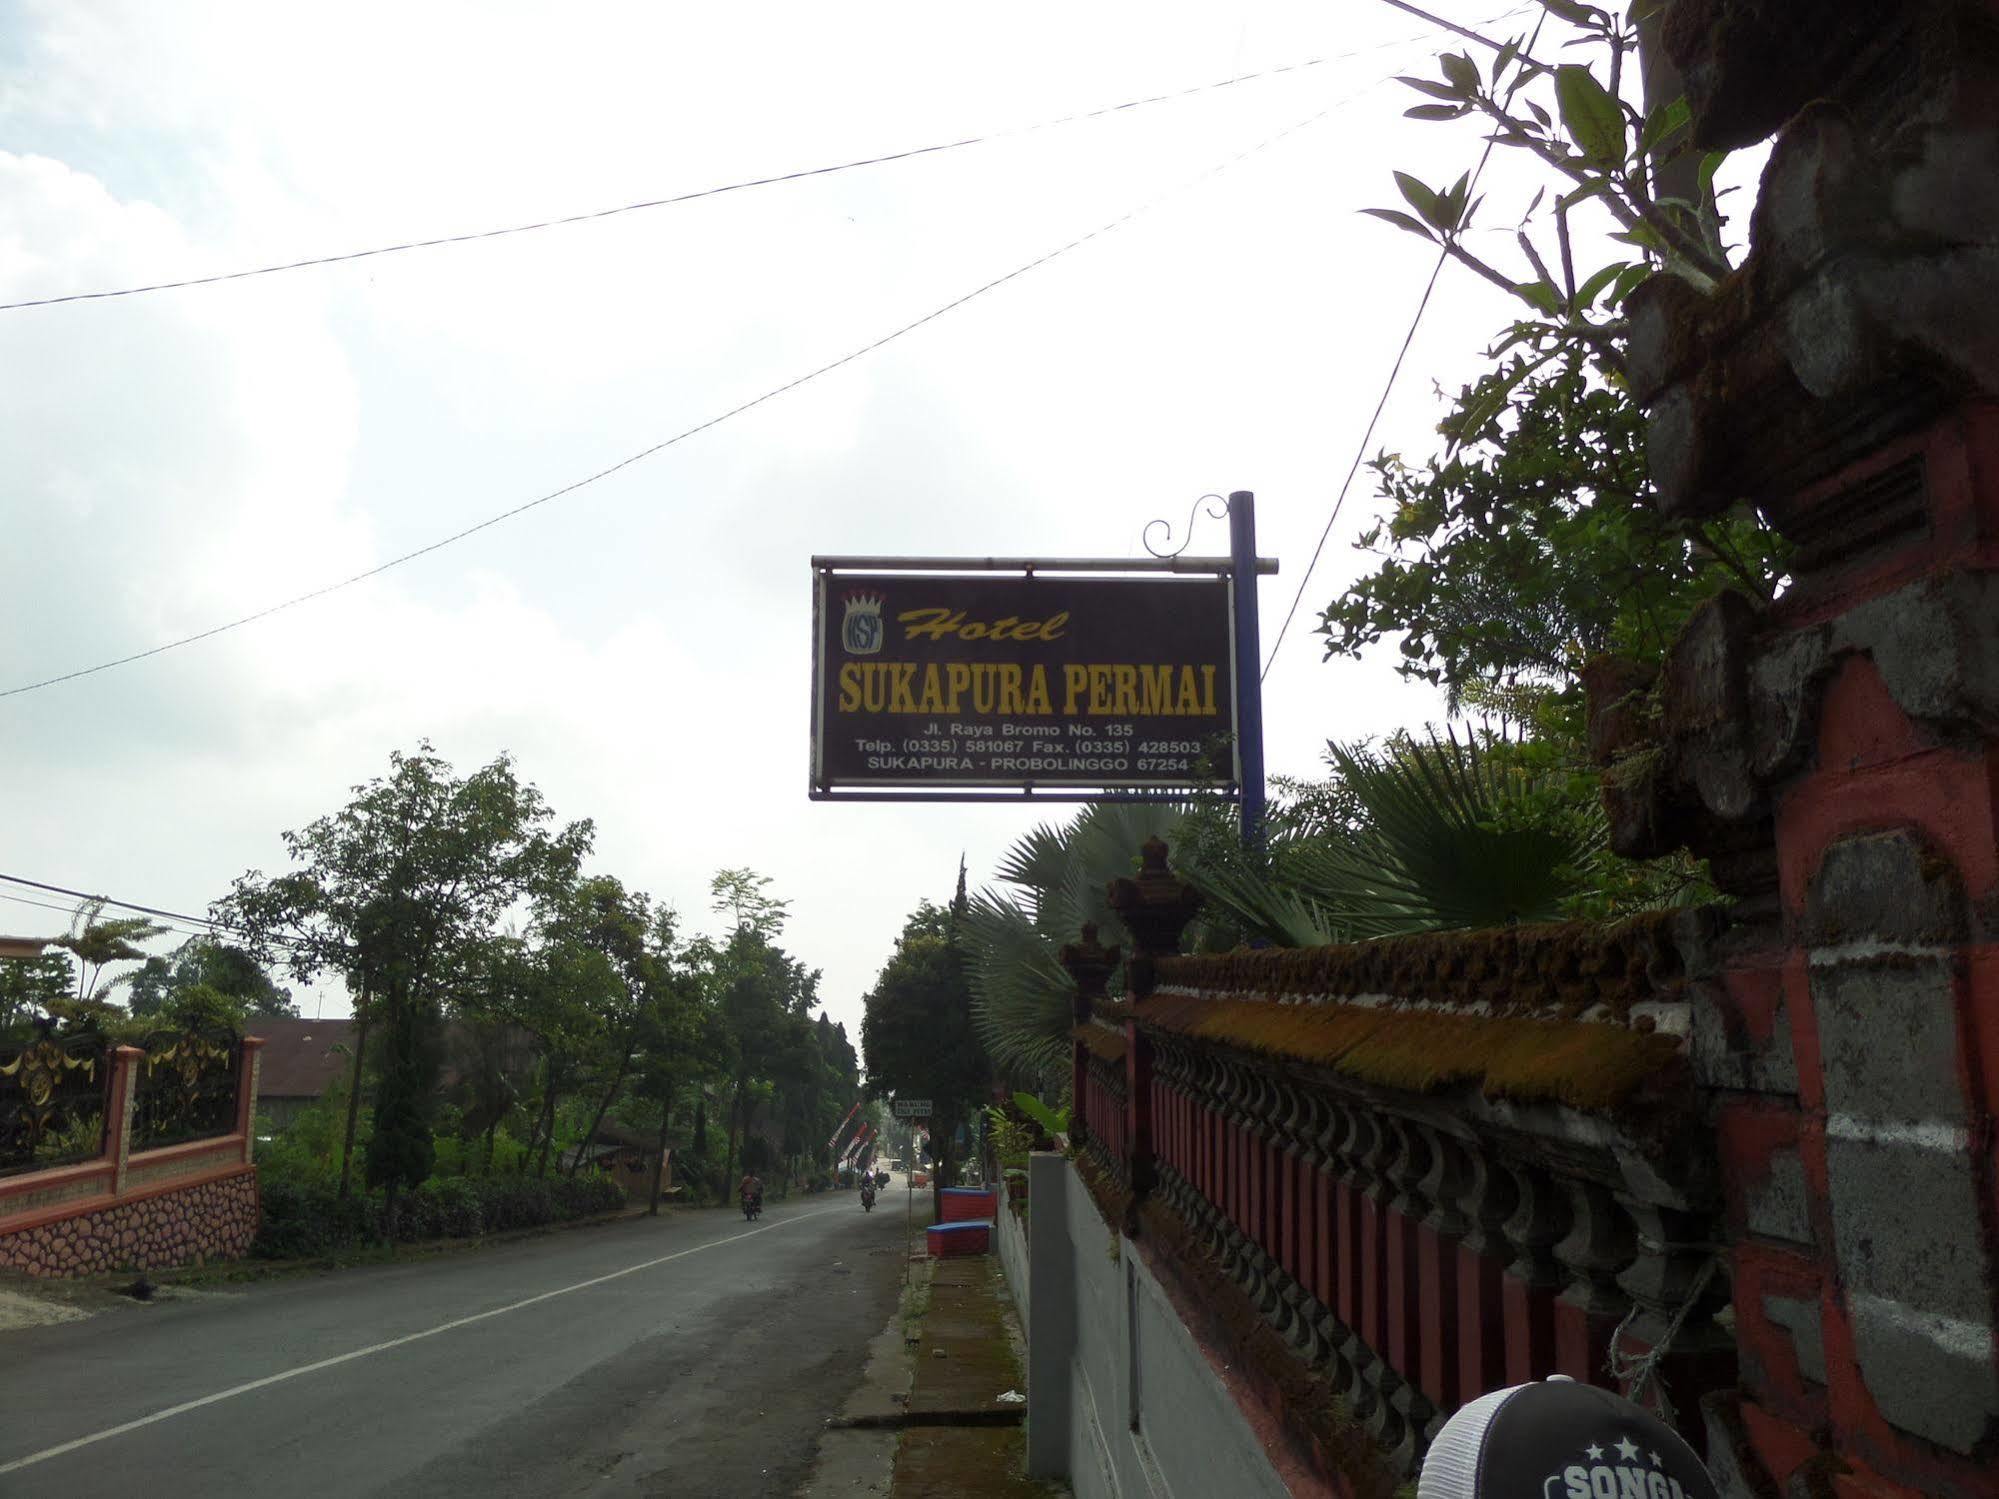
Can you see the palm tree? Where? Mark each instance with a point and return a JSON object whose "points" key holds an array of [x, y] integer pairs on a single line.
{"points": [[1412, 837], [97, 942], [1053, 881], [1442, 836]]}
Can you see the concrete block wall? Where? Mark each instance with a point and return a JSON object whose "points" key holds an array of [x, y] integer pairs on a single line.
{"points": [[1123, 1402], [1011, 1234]]}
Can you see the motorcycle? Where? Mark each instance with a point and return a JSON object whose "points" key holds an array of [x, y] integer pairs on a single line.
{"points": [[868, 1198], [753, 1205]]}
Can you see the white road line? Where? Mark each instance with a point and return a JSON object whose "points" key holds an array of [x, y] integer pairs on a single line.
{"points": [[416, 1337]]}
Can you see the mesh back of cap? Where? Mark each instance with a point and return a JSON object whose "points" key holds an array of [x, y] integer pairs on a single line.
{"points": [[1450, 1469]]}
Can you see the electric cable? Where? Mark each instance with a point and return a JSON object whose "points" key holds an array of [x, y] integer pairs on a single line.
{"points": [[800, 175], [1394, 370], [714, 421], [22, 900], [207, 925]]}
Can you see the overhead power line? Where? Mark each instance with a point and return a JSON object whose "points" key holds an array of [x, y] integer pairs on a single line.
{"points": [[1394, 370], [46, 905], [679, 437], [206, 926], [1360, 452], [472, 236], [70, 910]]}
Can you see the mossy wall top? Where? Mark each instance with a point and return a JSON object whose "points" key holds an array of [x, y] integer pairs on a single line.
{"points": [[1530, 1013], [1558, 971]]}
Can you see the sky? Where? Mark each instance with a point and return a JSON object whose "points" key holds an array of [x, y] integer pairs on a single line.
{"points": [[173, 461]]}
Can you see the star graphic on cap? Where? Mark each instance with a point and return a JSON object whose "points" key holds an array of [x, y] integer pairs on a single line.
{"points": [[1594, 1451], [1627, 1449], [1657, 1462]]}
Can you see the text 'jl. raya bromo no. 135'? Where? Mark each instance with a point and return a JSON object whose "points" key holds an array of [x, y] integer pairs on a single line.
{"points": [[1020, 682]]}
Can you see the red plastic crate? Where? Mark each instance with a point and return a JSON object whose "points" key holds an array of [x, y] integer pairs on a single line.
{"points": [[971, 1236], [969, 1204]]}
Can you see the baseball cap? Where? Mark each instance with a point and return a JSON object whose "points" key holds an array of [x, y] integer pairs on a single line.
{"points": [[1557, 1439]]}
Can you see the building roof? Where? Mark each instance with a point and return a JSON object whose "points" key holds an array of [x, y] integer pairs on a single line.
{"points": [[22, 947], [299, 1059], [614, 1132]]}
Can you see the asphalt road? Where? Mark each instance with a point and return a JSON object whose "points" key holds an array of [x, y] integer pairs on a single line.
{"points": [[692, 1354]]}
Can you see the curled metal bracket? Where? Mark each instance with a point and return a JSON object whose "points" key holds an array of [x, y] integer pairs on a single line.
{"points": [[1192, 515]]}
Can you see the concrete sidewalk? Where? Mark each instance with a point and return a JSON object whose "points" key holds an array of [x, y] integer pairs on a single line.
{"points": [[962, 1439]]}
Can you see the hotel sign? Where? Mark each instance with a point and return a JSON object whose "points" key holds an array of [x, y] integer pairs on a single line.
{"points": [[1022, 684]]}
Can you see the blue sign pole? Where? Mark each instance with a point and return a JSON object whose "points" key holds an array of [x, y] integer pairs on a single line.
{"points": [[1248, 662]]}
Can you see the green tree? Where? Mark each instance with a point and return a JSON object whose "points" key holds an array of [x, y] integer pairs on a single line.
{"points": [[1533, 541], [917, 1030], [402, 1150], [744, 896], [550, 987], [98, 942], [400, 891], [681, 1042], [1628, 163], [34, 988], [636, 942], [211, 963], [1533, 546], [493, 1062], [760, 994]]}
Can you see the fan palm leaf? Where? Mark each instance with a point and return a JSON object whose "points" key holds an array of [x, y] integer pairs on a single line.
{"points": [[1021, 997], [1448, 839]]}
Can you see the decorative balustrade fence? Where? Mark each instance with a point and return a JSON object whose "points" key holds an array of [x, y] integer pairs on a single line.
{"points": [[1387, 1178], [1404, 1173], [1104, 1103]]}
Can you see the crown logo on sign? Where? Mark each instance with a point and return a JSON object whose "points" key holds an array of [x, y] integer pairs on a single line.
{"points": [[861, 628]]}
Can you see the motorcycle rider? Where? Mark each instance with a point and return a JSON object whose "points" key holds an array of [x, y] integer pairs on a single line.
{"points": [[751, 1189]]}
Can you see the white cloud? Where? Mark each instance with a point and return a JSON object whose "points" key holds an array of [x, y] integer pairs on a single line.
{"points": [[176, 460]]}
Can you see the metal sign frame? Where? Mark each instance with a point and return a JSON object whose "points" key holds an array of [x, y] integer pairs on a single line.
{"points": [[1238, 572]]}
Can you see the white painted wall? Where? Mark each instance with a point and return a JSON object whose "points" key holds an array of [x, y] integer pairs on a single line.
{"points": [[1121, 1401], [1012, 1237]]}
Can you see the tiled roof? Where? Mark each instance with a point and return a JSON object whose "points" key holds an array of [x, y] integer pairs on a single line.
{"points": [[299, 1058]]}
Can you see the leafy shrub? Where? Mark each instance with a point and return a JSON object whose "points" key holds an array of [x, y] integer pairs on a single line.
{"points": [[301, 1218], [452, 1208], [455, 1157]]}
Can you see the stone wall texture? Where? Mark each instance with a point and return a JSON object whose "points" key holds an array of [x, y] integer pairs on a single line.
{"points": [[213, 1219]]}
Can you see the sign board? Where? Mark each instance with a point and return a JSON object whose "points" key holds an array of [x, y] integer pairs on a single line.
{"points": [[912, 1108], [929, 682]]}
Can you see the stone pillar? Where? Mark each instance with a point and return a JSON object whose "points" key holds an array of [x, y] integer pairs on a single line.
{"points": [[1540, 1220], [1155, 909], [1490, 1197], [1089, 965], [125, 1064], [249, 1068], [1835, 753], [1442, 1230], [1598, 1245]]}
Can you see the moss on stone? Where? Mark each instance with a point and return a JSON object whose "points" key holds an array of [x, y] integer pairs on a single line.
{"points": [[1594, 1067], [1555, 970]]}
